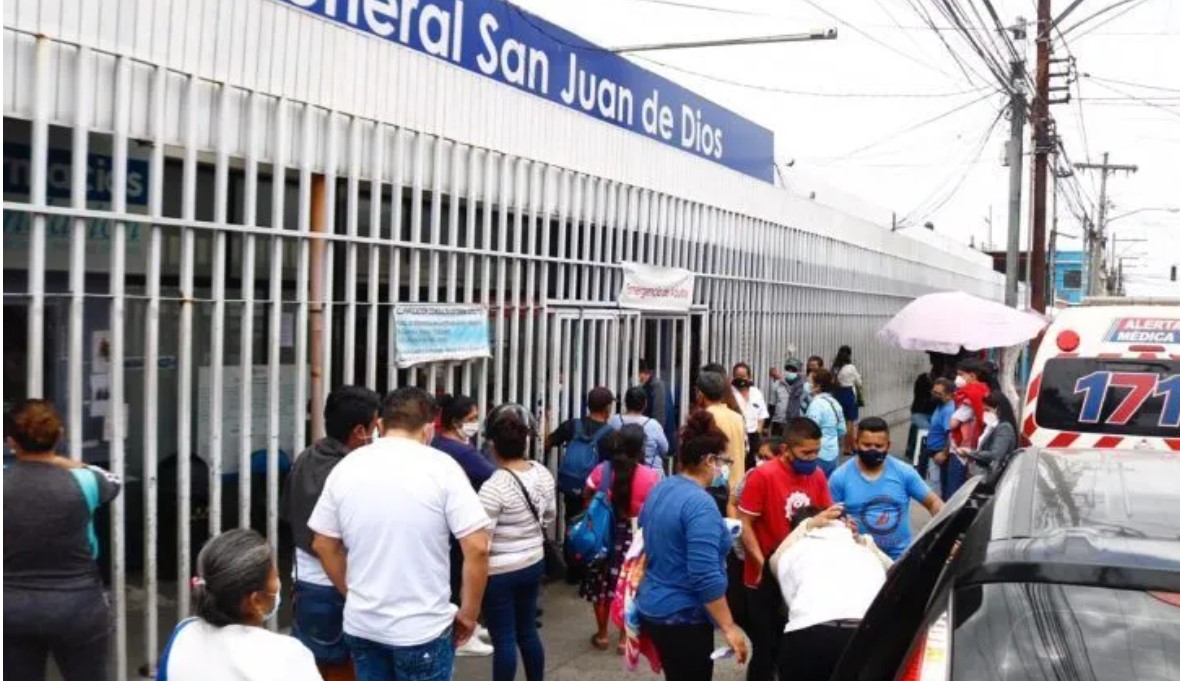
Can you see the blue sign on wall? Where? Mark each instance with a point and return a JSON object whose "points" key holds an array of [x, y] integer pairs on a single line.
{"points": [[499, 40], [100, 175]]}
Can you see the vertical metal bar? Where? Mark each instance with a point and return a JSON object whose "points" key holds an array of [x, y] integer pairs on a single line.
{"points": [[395, 258], [38, 180], [563, 230], [552, 391], [535, 188], [151, 376], [117, 413], [587, 230], [331, 164], [435, 237], [217, 327], [469, 269], [377, 177], [185, 358], [579, 362], [505, 198], [350, 268], [274, 356], [512, 349], [303, 281], [489, 191], [600, 221], [418, 161], [452, 240], [578, 205], [246, 348], [548, 200], [79, 165]]}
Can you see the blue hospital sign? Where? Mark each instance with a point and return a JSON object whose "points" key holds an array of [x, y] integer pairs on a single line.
{"points": [[498, 40]]}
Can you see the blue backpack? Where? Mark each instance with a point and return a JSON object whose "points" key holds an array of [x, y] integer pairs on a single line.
{"points": [[591, 537], [581, 456]]}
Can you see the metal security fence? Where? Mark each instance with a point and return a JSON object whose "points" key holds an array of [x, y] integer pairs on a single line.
{"points": [[190, 266]]}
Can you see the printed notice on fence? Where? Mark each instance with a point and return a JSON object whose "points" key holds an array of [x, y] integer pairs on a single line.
{"points": [[430, 332]]}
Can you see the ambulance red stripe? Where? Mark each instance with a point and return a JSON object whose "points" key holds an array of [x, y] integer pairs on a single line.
{"points": [[1108, 442], [1063, 440]]}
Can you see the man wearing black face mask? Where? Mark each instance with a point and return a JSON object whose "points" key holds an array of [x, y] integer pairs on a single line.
{"points": [[876, 489]]}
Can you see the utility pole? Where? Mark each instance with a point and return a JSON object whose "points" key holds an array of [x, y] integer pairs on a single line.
{"points": [[1015, 180], [1098, 239], [1051, 296]]}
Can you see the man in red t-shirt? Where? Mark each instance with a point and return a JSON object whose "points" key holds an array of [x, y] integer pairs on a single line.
{"points": [[772, 495]]}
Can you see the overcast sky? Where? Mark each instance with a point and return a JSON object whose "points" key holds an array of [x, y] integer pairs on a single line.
{"points": [[949, 171]]}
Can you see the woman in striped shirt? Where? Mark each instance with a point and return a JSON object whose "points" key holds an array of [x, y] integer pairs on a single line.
{"points": [[520, 499]]}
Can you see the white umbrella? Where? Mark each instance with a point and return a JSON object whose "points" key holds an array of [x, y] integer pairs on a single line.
{"points": [[945, 322]]}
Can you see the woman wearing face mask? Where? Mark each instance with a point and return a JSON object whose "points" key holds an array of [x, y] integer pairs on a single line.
{"points": [[458, 424], [682, 595], [827, 412], [999, 436], [236, 589], [848, 387]]}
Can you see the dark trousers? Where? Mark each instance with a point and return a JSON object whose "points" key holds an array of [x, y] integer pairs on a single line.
{"points": [[319, 622], [72, 626], [735, 592], [684, 649], [954, 474], [753, 442], [510, 609], [924, 462], [767, 619], [811, 654]]}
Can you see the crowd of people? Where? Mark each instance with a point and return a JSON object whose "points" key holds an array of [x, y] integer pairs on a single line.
{"points": [[422, 530]]}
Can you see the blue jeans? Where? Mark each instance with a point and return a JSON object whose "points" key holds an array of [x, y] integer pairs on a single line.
{"points": [[319, 622], [510, 613], [430, 661]]}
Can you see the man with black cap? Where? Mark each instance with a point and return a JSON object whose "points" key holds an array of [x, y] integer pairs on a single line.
{"points": [[786, 396]]}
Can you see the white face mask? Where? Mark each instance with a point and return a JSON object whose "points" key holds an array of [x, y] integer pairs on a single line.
{"points": [[990, 419], [469, 429], [960, 382], [274, 610]]}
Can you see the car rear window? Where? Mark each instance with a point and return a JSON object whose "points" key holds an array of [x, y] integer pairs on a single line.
{"points": [[1049, 632], [1132, 397]]}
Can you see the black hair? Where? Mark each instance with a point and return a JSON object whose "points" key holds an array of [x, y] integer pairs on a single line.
{"points": [[714, 367], [802, 428], [819, 361], [843, 358], [35, 426], [999, 401], [635, 398], [801, 514], [824, 380], [945, 383], [873, 424], [230, 567], [699, 438], [348, 407], [599, 400], [407, 408], [454, 409], [644, 367], [972, 366], [742, 365], [712, 385], [627, 452], [775, 443], [509, 436]]}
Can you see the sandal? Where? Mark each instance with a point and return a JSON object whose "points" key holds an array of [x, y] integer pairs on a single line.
{"points": [[602, 643]]}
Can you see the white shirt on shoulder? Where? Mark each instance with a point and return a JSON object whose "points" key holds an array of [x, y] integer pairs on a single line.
{"points": [[754, 410], [238, 652], [827, 575], [395, 504]]}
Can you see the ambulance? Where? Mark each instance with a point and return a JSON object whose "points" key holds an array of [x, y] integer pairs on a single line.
{"points": [[1107, 376]]}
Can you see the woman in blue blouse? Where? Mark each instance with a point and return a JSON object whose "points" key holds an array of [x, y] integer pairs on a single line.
{"points": [[682, 595]]}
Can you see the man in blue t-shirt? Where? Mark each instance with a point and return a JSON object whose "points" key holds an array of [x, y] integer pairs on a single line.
{"points": [[938, 438], [876, 489]]}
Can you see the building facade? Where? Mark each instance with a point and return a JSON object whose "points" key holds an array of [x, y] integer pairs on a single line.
{"points": [[213, 209]]}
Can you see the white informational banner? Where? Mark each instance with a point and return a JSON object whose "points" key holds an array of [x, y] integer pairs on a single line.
{"points": [[231, 425], [433, 332], [648, 287]]}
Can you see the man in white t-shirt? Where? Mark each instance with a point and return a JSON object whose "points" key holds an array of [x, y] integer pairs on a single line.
{"points": [[754, 410], [382, 529]]}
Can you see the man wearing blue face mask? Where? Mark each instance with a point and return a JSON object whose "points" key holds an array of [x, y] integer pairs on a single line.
{"points": [[876, 489], [773, 493]]}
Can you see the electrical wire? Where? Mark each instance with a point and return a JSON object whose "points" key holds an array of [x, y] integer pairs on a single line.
{"points": [[965, 67], [1132, 5], [955, 14], [807, 93], [916, 126], [910, 218], [706, 8], [1128, 83], [1145, 102]]}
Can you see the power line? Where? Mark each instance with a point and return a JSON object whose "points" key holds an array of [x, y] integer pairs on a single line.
{"points": [[964, 67], [706, 8], [1145, 102], [1132, 5], [1145, 86], [808, 93]]}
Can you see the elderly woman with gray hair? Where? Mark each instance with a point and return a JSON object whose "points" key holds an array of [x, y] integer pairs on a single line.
{"points": [[236, 589]]}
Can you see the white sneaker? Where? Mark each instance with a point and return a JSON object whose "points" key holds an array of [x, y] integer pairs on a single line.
{"points": [[474, 648], [483, 634]]}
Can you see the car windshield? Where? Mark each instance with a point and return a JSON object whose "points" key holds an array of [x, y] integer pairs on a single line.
{"points": [[1049, 632], [1133, 397]]}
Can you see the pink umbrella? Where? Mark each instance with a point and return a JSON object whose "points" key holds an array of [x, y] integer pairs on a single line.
{"points": [[945, 322]]}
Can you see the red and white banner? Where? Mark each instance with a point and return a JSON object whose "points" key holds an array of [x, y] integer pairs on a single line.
{"points": [[647, 287]]}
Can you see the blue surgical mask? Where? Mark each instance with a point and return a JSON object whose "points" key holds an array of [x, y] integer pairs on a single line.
{"points": [[804, 467], [792, 376], [720, 475]]}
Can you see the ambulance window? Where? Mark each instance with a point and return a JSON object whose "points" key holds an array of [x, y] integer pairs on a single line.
{"points": [[1133, 397]]}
